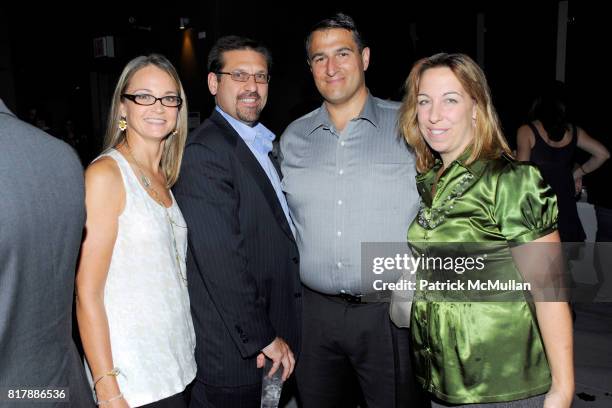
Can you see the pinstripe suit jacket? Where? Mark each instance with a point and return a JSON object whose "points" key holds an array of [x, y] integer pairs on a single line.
{"points": [[242, 260]]}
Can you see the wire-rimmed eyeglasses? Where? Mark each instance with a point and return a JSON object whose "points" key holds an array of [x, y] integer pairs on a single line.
{"points": [[242, 76]]}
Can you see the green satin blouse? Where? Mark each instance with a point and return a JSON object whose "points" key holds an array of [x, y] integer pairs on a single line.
{"points": [[473, 351]]}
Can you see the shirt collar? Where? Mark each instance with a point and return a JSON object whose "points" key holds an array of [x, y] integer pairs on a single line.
{"points": [[425, 180], [476, 167], [258, 134], [4, 108], [369, 113]]}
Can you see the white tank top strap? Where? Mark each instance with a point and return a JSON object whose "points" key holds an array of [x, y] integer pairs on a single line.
{"points": [[133, 187], [130, 183]]}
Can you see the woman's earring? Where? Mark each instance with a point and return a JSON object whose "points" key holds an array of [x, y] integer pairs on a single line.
{"points": [[122, 124], [174, 132]]}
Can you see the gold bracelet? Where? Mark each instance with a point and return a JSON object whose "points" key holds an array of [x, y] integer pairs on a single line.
{"points": [[112, 373], [108, 401]]}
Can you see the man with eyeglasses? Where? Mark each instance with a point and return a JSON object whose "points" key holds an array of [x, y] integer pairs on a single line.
{"points": [[242, 262], [349, 180]]}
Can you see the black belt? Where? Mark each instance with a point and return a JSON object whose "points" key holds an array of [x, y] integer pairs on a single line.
{"points": [[345, 297], [354, 300]]}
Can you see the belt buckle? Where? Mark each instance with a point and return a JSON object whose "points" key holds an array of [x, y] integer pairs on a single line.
{"points": [[350, 298]]}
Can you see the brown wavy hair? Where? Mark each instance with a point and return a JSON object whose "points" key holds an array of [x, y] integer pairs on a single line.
{"points": [[489, 140]]}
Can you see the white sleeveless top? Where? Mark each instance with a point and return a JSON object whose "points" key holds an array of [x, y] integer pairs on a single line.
{"points": [[146, 299]]}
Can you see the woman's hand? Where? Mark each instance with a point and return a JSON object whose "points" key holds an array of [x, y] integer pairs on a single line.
{"points": [[577, 183], [558, 398]]}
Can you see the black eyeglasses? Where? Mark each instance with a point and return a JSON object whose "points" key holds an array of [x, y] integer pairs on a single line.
{"points": [[171, 101], [242, 76]]}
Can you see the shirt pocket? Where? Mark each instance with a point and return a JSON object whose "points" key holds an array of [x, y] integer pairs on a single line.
{"points": [[391, 186]]}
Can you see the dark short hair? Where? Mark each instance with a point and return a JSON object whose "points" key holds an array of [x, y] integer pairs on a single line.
{"points": [[232, 43], [550, 108], [338, 20]]}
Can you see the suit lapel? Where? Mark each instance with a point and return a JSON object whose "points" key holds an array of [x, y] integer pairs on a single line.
{"points": [[274, 160], [250, 162]]}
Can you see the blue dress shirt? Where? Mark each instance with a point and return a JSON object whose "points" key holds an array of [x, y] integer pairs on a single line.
{"points": [[259, 140]]}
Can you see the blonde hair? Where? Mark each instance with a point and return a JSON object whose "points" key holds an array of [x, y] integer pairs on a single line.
{"points": [[489, 140], [174, 145]]}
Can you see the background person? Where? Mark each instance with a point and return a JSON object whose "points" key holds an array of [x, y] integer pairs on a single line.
{"points": [[550, 140], [41, 223]]}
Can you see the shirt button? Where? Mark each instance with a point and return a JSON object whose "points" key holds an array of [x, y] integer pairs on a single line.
{"points": [[339, 264], [342, 143], [341, 172], [339, 202], [339, 233]]}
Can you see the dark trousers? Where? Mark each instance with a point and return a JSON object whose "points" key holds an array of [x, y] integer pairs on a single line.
{"points": [[208, 396], [175, 401], [604, 224], [603, 254], [346, 344]]}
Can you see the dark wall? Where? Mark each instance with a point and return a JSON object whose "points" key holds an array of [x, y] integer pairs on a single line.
{"points": [[53, 68]]}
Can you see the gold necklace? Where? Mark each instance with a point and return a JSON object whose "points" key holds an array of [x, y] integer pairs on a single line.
{"points": [[146, 182]]}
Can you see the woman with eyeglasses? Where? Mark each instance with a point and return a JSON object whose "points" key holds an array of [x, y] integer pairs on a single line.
{"points": [[132, 300]]}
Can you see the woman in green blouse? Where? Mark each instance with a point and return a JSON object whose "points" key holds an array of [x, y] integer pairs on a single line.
{"points": [[505, 353]]}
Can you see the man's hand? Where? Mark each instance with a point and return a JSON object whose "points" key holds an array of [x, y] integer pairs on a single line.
{"points": [[279, 352]]}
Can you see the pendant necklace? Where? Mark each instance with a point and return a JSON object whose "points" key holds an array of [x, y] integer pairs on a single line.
{"points": [[146, 182]]}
